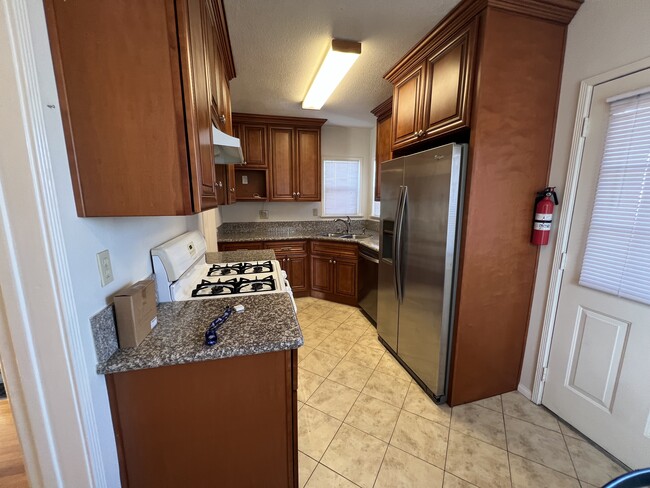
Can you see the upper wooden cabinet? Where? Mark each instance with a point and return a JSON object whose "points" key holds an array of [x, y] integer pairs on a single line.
{"points": [[289, 148], [383, 151], [433, 97], [140, 85]]}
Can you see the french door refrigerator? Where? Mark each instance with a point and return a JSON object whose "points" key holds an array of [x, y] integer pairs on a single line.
{"points": [[421, 199]]}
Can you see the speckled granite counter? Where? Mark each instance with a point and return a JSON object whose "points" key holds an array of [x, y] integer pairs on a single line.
{"points": [[237, 256], [258, 233], [268, 324]]}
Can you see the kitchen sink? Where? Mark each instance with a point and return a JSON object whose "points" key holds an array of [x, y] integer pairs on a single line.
{"points": [[343, 235]]}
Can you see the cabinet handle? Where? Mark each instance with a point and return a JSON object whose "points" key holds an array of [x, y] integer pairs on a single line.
{"points": [[334, 262], [232, 190], [330, 261], [420, 133], [243, 163], [294, 193], [222, 118], [298, 194], [220, 184]]}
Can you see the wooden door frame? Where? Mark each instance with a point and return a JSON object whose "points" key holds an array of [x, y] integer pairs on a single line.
{"points": [[40, 337], [580, 129]]}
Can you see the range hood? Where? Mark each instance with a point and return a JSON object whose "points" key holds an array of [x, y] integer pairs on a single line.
{"points": [[227, 149]]}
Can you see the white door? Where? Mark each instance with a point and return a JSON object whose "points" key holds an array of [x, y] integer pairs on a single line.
{"points": [[599, 367]]}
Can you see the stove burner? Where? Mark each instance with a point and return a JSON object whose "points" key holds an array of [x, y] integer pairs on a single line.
{"points": [[233, 286], [240, 268]]}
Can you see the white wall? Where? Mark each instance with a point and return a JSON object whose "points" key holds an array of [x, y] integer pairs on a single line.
{"points": [[605, 34], [336, 142], [127, 239]]}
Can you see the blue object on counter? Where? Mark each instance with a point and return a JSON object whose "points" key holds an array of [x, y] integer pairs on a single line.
{"points": [[211, 334], [635, 479]]}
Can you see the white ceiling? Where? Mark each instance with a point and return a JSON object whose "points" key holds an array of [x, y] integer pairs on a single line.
{"points": [[278, 46]]}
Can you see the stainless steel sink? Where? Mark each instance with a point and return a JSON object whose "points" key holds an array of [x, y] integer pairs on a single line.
{"points": [[343, 235]]}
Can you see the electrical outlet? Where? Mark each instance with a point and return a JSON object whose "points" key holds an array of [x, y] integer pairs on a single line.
{"points": [[244, 180], [105, 268], [264, 214], [314, 212]]}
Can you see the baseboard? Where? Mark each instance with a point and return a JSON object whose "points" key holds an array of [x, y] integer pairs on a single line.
{"points": [[524, 391]]}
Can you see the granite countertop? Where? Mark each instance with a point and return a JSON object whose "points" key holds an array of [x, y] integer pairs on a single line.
{"points": [[239, 256], [371, 242], [267, 324]]}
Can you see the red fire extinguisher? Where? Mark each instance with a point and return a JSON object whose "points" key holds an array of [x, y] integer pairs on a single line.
{"points": [[544, 204]]}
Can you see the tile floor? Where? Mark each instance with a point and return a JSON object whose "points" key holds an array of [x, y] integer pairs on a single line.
{"points": [[362, 422]]}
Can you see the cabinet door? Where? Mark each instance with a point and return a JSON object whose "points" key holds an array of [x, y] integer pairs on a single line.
{"points": [[407, 100], [447, 87], [254, 145], [383, 151], [240, 246], [297, 268], [345, 278], [199, 123], [321, 274], [308, 165], [281, 152]]}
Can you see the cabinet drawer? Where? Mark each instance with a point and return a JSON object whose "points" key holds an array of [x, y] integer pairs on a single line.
{"points": [[334, 249], [285, 247], [239, 246]]}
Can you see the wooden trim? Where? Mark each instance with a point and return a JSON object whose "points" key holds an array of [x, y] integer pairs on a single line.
{"points": [[384, 109], [560, 11], [224, 40], [242, 118]]}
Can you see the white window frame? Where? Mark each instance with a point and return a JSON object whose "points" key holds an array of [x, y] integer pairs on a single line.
{"points": [[359, 213], [371, 213]]}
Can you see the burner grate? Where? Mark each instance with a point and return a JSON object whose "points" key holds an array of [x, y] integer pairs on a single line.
{"points": [[240, 268], [233, 286]]}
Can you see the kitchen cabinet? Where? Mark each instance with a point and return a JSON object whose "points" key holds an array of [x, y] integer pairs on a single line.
{"points": [[140, 86], [383, 151], [232, 421], [240, 246], [287, 149], [433, 98], [293, 259], [334, 271], [491, 68]]}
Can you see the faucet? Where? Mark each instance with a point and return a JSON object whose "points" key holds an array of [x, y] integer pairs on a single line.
{"points": [[346, 222]]}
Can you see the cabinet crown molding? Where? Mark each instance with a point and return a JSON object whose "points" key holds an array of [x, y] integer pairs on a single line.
{"points": [[558, 11], [242, 118], [384, 109]]}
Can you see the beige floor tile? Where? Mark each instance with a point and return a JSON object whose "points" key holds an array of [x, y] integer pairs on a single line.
{"points": [[350, 374], [478, 462], [338, 315], [308, 316], [401, 470], [387, 388], [320, 363], [481, 423], [419, 403], [584, 484], [303, 352], [493, 403], [333, 399], [591, 464], [357, 319], [306, 466], [335, 346], [307, 384], [369, 339], [300, 405], [321, 307], [452, 481], [421, 437], [324, 477], [365, 356], [315, 431], [373, 416], [313, 337], [538, 444], [527, 474], [518, 406], [355, 455], [389, 365], [323, 325], [306, 300], [569, 431], [349, 332]]}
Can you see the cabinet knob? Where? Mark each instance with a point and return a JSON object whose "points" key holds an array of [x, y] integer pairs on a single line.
{"points": [[294, 193], [220, 184], [243, 163], [222, 118], [232, 190], [334, 262], [420, 133], [330, 261], [298, 194]]}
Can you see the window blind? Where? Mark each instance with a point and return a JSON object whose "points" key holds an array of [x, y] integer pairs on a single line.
{"points": [[341, 187], [617, 254]]}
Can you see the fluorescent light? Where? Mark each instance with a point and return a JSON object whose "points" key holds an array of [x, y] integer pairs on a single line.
{"points": [[338, 61]]}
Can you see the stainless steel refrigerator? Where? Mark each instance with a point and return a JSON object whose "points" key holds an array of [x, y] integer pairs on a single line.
{"points": [[421, 199]]}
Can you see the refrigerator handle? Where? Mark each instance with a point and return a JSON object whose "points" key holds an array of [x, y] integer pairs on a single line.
{"points": [[396, 241], [399, 224]]}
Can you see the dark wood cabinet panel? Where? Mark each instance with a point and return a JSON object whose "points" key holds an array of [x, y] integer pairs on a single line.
{"points": [[334, 271], [383, 150], [322, 274], [298, 273], [235, 413], [254, 145], [345, 278], [308, 165], [138, 73], [407, 96], [237, 246], [281, 148]]}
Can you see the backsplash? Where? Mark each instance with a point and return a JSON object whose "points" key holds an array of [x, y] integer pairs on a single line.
{"points": [[287, 228]]}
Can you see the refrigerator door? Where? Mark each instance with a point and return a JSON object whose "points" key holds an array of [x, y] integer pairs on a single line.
{"points": [[432, 179], [392, 178]]}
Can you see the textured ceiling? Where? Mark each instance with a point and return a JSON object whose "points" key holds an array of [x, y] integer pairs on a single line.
{"points": [[278, 46]]}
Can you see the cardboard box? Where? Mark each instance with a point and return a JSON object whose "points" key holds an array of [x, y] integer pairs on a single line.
{"points": [[135, 313]]}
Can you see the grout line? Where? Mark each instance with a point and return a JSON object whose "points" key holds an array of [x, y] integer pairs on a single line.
{"points": [[570, 457], [505, 433]]}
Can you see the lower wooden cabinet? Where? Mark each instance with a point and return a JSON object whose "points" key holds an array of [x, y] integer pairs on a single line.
{"points": [[321, 275], [241, 246], [294, 260], [225, 422]]}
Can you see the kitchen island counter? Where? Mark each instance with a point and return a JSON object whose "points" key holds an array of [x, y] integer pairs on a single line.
{"points": [[267, 324]]}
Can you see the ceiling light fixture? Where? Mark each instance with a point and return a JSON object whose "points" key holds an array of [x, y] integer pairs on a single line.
{"points": [[338, 61]]}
